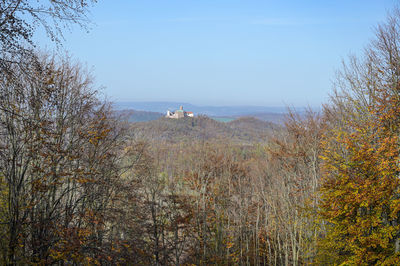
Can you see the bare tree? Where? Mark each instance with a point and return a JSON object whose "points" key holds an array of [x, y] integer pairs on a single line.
{"points": [[58, 155], [19, 19]]}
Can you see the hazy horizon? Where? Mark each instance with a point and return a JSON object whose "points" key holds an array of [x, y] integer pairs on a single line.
{"points": [[210, 110], [213, 105]]}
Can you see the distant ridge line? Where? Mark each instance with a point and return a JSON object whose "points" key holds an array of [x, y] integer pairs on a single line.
{"points": [[162, 107]]}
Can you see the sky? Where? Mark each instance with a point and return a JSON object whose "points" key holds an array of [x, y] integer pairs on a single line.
{"points": [[222, 52]]}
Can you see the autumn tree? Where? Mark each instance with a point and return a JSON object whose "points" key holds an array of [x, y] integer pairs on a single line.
{"points": [[289, 234], [360, 193], [58, 159]]}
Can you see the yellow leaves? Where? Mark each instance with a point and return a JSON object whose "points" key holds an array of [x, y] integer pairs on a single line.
{"points": [[82, 180], [364, 204], [229, 245], [91, 261], [56, 255], [360, 168]]}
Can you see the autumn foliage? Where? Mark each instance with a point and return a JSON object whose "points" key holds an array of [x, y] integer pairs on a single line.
{"points": [[359, 195], [360, 201], [78, 186]]}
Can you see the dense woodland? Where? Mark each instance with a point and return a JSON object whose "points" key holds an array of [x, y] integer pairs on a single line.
{"points": [[81, 186], [244, 130]]}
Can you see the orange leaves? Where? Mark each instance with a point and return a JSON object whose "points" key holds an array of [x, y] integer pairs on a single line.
{"points": [[359, 195]]}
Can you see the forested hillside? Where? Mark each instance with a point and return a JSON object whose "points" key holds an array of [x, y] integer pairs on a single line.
{"points": [[203, 128]]}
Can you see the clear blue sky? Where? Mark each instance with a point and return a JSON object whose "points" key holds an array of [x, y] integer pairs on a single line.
{"points": [[223, 52]]}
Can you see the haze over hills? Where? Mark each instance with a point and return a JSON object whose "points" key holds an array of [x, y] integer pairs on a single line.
{"points": [[162, 107], [147, 111], [137, 116]]}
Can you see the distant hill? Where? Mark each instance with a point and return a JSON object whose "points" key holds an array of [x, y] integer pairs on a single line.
{"points": [[137, 116], [277, 118], [245, 129], [223, 118], [250, 123], [162, 107]]}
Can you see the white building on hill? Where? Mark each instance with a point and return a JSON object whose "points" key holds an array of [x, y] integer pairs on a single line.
{"points": [[179, 114]]}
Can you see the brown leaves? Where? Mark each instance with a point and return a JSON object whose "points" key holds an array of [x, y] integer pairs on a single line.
{"points": [[361, 187]]}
